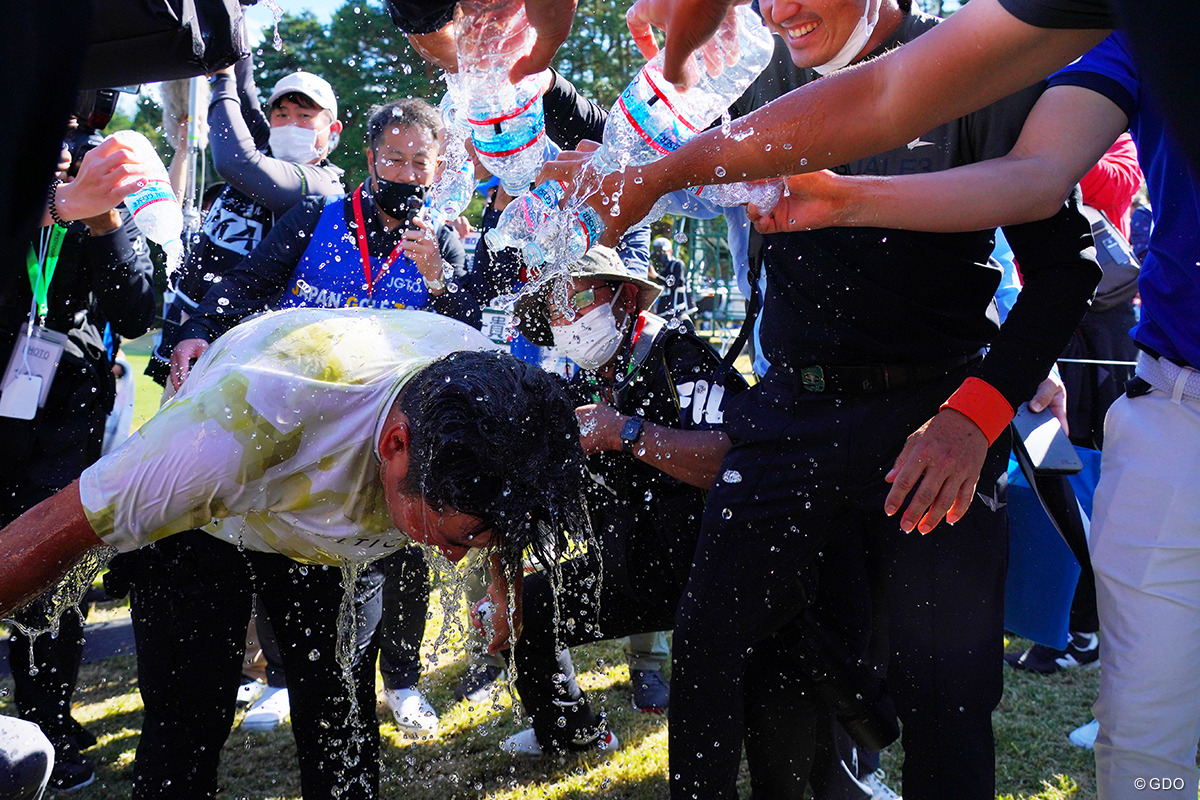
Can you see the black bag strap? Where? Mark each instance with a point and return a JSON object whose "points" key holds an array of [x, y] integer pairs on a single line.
{"points": [[754, 258]]}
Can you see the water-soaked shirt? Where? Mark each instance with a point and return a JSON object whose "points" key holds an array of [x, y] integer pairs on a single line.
{"points": [[277, 425]]}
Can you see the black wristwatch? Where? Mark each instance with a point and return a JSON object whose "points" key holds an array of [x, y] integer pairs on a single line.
{"points": [[630, 433]]}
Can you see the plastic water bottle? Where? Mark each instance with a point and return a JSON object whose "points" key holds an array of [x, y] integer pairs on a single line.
{"points": [[764, 195], [651, 118], [507, 122], [155, 207], [564, 240], [508, 127], [452, 193], [454, 188], [525, 216]]}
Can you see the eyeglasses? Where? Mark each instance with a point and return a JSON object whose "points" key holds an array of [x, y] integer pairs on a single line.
{"points": [[580, 300]]}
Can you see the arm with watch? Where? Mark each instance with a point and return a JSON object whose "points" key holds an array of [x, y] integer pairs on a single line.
{"points": [[691, 456]]}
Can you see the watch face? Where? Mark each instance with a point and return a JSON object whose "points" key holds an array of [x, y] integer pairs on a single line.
{"points": [[631, 430]]}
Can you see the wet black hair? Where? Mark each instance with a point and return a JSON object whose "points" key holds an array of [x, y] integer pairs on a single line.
{"points": [[497, 438]]}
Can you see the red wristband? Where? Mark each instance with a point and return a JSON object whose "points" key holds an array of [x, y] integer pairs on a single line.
{"points": [[983, 405]]}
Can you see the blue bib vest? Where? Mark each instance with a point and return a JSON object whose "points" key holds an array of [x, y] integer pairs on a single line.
{"points": [[330, 272]]}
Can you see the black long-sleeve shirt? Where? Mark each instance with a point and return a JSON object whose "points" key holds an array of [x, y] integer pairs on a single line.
{"points": [[852, 296]]}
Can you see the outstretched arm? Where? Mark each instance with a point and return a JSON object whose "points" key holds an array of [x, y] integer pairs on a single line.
{"points": [[39, 546], [976, 57], [1066, 132]]}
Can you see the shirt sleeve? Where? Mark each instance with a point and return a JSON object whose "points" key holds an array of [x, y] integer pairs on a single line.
{"points": [[1080, 14], [1060, 273], [571, 117], [421, 16], [189, 464]]}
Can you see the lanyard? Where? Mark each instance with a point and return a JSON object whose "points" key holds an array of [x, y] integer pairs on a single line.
{"points": [[361, 233], [39, 275], [606, 391]]}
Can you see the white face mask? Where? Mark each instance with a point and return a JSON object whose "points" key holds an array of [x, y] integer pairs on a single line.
{"points": [[857, 41], [592, 339], [295, 144]]}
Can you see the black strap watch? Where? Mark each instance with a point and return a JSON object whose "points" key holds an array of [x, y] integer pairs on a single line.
{"points": [[630, 433]]}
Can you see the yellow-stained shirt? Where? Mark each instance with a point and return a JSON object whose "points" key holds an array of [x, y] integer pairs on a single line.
{"points": [[272, 440]]}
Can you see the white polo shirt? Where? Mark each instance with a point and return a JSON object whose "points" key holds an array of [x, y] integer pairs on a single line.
{"points": [[272, 441]]}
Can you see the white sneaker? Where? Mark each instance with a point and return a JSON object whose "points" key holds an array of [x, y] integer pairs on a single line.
{"points": [[412, 711], [248, 692], [526, 744], [879, 789], [270, 709], [1085, 735]]}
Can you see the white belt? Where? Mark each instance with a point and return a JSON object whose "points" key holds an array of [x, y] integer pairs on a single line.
{"points": [[1181, 383]]}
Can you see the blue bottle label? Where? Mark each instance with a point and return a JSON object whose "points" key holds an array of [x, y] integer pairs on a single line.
{"points": [[591, 225], [510, 132], [154, 191], [653, 116]]}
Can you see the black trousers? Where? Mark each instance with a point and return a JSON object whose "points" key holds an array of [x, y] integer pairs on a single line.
{"points": [[405, 601], [191, 602], [791, 740], [809, 480]]}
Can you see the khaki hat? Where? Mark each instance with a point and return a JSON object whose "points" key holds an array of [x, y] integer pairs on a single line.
{"points": [[314, 88], [599, 262]]}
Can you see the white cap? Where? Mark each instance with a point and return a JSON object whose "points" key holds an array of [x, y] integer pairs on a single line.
{"points": [[316, 89]]}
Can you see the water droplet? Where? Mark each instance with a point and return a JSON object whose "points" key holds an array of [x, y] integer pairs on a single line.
{"points": [[726, 513], [313, 655], [732, 476], [720, 172]]}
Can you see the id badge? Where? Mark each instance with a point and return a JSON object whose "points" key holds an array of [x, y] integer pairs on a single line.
{"points": [[35, 355]]}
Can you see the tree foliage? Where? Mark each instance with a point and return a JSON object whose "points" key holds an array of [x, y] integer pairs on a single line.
{"points": [[362, 54], [600, 57]]}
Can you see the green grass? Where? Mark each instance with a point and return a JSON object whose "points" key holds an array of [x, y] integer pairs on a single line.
{"points": [[1035, 761]]}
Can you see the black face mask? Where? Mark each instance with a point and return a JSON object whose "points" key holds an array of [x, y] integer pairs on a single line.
{"points": [[393, 198]]}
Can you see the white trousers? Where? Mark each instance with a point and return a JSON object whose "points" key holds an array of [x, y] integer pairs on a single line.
{"points": [[1145, 547]]}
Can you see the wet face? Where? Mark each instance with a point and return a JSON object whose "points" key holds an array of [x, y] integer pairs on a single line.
{"points": [[288, 112], [587, 294], [813, 30], [404, 154], [451, 532]]}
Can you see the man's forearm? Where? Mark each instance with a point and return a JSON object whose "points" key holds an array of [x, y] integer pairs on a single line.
{"points": [[948, 72], [38, 547]]}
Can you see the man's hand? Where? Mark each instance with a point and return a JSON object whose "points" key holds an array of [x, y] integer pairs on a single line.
{"points": [[599, 427], [688, 24], [945, 455], [812, 200], [631, 193], [551, 19], [107, 175], [182, 357], [421, 246], [1052, 394], [503, 636]]}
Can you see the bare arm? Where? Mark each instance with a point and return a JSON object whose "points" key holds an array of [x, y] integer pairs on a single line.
{"points": [[948, 72], [690, 456], [39, 546], [1067, 131]]}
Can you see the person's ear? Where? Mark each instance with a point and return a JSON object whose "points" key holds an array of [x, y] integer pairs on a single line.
{"points": [[393, 449]]}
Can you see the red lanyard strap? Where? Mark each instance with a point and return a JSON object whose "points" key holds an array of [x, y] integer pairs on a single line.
{"points": [[361, 235]]}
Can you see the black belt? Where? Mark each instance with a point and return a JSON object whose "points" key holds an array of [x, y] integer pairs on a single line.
{"points": [[865, 378]]}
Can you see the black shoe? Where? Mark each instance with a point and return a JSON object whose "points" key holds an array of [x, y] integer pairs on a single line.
{"points": [[1083, 649], [71, 771], [651, 692], [479, 682]]}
